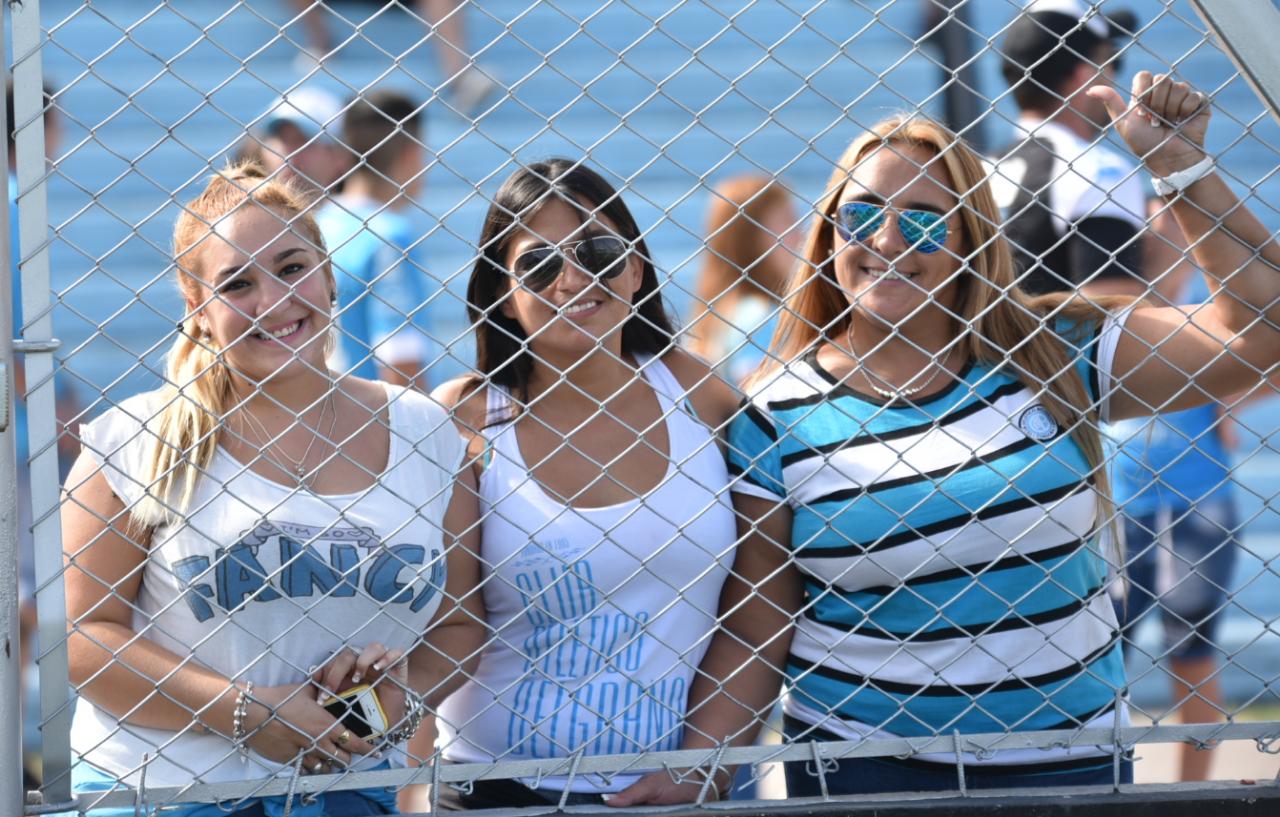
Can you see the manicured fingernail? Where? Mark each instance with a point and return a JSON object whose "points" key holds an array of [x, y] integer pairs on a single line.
{"points": [[377, 753], [320, 698], [607, 797], [377, 667], [355, 679]]}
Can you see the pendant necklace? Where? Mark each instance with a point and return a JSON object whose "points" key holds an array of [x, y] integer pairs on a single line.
{"points": [[895, 394], [297, 467]]}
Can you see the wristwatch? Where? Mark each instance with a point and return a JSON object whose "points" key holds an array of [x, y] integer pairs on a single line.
{"points": [[1177, 182]]}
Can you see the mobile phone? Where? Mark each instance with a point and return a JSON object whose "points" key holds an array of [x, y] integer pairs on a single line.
{"points": [[359, 710]]}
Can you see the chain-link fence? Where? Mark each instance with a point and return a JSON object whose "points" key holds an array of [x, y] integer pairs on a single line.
{"points": [[925, 521]]}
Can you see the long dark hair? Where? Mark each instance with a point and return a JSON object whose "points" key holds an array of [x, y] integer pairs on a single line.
{"points": [[502, 348]]}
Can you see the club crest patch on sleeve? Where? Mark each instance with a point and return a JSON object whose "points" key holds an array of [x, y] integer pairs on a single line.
{"points": [[1037, 423]]}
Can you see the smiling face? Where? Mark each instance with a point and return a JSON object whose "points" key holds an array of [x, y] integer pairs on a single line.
{"points": [[576, 312], [884, 276], [263, 296]]}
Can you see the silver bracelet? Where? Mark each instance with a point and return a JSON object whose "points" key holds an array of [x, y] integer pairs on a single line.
{"points": [[415, 714], [238, 714]]}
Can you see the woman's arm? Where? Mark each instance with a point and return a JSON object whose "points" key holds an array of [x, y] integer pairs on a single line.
{"points": [[738, 679], [1169, 358], [450, 651], [132, 677]]}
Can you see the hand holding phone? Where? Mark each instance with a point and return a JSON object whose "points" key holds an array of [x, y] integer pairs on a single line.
{"points": [[364, 689], [359, 710]]}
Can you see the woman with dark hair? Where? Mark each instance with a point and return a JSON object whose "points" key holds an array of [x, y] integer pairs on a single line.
{"points": [[607, 533]]}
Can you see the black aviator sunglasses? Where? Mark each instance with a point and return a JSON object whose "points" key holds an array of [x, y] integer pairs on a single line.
{"points": [[600, 256]]}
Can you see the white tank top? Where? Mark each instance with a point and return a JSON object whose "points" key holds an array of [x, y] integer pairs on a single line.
{"points": [[261, 582], [599, 616]]}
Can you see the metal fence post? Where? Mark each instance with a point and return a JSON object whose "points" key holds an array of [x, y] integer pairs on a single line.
{"points": [[55, 710], [1245, 28], [11, 795], [963, 106]]}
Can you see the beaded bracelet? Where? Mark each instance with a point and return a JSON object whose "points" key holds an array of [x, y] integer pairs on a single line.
{"points": [[238, 714]]}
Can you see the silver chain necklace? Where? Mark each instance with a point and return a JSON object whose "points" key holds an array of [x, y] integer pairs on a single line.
{"points": [[297, 467], [895, 394]]}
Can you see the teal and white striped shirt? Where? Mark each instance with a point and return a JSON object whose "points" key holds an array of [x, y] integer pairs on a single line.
{"points": [[949, 551]]}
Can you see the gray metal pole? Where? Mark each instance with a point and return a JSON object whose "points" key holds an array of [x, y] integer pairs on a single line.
{"points": [[33, 226], [1247, 30], [11, 794], [963, 106]]}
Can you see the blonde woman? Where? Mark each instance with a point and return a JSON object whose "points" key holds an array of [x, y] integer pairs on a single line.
{"points": [[750, 252], [258, 534], [929, 454]]}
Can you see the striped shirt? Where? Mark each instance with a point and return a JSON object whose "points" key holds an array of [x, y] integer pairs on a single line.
{"points": [[951, 566]]}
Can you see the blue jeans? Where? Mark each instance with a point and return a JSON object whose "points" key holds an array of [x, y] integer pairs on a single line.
{"points": [[882, 775], [1192, 591], [357, 803]]}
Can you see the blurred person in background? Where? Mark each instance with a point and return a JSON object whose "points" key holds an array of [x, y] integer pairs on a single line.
{"points": [[606, 535], [261, 533], [296, 140], [1172, 482], [467, 86], [375, 248], [927, 450], [1073, 207], [750, 251]]}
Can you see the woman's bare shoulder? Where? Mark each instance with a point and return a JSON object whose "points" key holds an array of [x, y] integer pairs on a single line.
{"points": [[713, 398], [465, 400]]}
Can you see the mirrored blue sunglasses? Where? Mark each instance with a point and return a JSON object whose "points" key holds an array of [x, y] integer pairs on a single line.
{"points": [[923, 230]]}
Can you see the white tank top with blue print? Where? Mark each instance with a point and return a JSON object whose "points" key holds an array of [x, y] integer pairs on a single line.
{"points": [[599, 616]]}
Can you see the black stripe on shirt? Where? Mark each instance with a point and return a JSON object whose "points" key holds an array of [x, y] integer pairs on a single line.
{"points": [[983, 402], [921, 531], [1010, 621], [972, 571], [839, 389], [755, 415], [1013, 684], [954, 469]]}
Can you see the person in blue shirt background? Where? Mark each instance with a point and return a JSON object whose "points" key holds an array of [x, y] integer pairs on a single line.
{"points": [[1172, 480], [375, 247]]}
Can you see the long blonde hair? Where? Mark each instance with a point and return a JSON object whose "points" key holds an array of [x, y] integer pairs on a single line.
{"points": [[1007, 327], [198, 390]]}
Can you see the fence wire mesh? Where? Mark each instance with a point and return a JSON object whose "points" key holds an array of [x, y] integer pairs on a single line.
{"points": [[416, 454]]}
